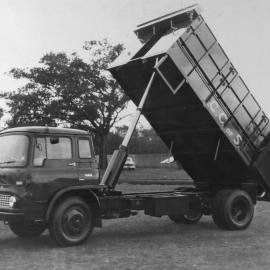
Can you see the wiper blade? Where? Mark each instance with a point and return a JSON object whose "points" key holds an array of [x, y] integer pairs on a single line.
{"points": [[9, 161]]}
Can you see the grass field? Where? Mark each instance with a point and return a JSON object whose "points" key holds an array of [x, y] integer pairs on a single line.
{"points": [[144, 242], [154, 176]]}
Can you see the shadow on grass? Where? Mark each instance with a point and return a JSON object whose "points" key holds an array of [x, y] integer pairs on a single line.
{"points": [[148, 232], [30, 244]]}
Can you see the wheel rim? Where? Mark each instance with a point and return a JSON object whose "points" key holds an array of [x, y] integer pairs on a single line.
{"points": [[240, 211], [74, 222]]}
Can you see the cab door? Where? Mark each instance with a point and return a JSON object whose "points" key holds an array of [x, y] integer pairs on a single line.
{"points": [[54, 165], [86, 162]]}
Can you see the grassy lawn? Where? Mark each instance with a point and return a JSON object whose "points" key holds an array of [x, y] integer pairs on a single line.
{"points": [[147, 243], [144, 242], [154, 176]]}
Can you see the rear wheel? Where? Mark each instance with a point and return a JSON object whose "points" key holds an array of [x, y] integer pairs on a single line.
{"points": [[216, 208], [234, 210], [26, 230], [71, 222], [190, 218]]}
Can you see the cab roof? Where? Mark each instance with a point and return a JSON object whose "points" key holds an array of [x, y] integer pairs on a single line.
{"points": [[44, 130]]}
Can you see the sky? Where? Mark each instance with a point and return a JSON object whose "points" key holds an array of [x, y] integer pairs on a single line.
{"points": [[31, 28]]}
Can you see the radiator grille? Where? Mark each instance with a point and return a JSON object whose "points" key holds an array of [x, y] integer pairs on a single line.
{"points": [[4, 199]]}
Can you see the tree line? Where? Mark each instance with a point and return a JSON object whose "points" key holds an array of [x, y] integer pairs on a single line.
{"points": [[70, 91], [143, 141]]}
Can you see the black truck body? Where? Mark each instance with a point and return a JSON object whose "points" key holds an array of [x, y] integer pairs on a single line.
{"points": [[186, 86], [198, 103]]}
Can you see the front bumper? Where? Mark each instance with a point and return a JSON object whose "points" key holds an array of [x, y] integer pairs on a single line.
{"points": [[11, 216], [25, 209]]}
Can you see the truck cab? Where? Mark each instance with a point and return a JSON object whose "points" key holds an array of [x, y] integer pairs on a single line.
{"points": [[35, 164]]}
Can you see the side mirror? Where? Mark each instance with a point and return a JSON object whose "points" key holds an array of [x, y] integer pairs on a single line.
{"points": [[54, 140]]}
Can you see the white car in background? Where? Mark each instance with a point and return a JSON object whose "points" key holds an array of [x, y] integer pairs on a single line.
{"points": [[129, 164], [167, 160]]}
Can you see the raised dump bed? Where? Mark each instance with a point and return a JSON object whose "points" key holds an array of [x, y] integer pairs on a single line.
{"points": [[198, 103]]}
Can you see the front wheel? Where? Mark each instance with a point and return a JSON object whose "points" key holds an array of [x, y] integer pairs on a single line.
{"points": [[26, 230], [72, 222], [192, 217]]}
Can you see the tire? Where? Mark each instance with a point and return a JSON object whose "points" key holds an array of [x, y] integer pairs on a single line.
{"points": [[216, 208], [71, 222], [236, 210], [192, 217], [26, 231]]}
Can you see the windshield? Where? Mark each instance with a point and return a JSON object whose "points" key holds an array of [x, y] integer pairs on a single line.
{"points": [[13, 150]]}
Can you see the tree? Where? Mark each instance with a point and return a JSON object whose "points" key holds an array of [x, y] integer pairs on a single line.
{"points": [[150, 142], [143, 141], [67, 90], [113, 142]]}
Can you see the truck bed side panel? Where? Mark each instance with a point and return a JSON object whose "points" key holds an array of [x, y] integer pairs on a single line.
{"points": [[200, 107]]}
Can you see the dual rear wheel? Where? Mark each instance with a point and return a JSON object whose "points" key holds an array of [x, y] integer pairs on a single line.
{"points": [[232, 209]]}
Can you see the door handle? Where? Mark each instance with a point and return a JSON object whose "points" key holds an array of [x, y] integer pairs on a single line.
{"points": [[72, 164]]}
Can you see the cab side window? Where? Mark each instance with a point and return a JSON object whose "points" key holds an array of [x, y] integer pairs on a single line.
{"points": [[60, 150], [46, 149], [84, 148]]}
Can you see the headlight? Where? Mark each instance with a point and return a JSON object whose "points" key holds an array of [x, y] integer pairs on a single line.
{"points": [[12, 200]]}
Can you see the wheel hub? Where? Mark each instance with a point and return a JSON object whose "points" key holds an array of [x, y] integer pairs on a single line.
{"points": [[74, 222], [239, 210]]}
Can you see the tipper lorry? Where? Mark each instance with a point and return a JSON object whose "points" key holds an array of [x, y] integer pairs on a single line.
{"points": [[192, 95]]}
